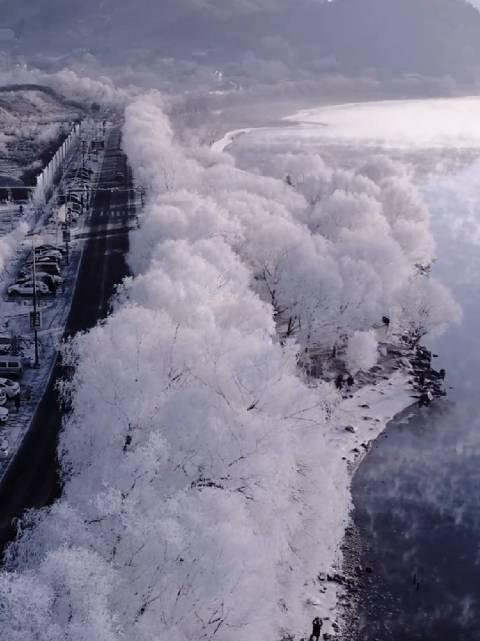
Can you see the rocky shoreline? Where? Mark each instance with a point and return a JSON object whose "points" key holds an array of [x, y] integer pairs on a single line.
{"points": [[357, 578]]}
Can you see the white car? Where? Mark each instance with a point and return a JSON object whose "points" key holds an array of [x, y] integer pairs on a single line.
{"points": [[8, 387], [3, 415], [3, 397], [4, 449], [41, 280], [26, 289]]}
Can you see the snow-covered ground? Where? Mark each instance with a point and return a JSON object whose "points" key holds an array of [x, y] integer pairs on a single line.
{"points": [[34, 229], [228, 139], [357, 421]]}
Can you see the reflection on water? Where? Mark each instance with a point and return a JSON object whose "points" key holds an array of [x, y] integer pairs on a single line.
{"points": [[418, 512], [417, 495]]}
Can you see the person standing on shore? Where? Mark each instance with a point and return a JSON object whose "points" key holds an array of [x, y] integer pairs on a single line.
{"points": [[316, 629]]}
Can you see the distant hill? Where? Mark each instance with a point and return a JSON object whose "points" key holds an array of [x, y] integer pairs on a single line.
{"points": [[418, 36], [430, 37]]}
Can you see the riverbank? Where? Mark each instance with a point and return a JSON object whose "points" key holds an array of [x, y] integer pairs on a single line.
{"points": [[390, 402], [357, 421], [358, 576]]}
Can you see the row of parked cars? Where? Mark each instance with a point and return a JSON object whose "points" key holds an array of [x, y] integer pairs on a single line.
{"points": [[48, 273], [9, 390], [76, 198]]}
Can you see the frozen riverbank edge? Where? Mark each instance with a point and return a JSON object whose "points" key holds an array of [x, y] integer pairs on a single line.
{"points": [[358, 421]]}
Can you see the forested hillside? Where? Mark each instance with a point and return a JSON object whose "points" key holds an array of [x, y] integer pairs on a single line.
{"points": [[428, 37]]}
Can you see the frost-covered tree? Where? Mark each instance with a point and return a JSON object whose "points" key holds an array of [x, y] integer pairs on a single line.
{"points": [[200, 501], [426, 307], [362, 351]]}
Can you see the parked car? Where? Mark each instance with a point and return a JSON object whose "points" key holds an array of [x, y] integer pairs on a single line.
{"points": [[49, 278], [3, 397], [4, 449], [49, 253], [46, 268], [10, 388], [5, 343], [52, 282], [45, 258], [28, 264], [48, 247], [41, 260], [40, 281], [11, 366], [26, 289]]}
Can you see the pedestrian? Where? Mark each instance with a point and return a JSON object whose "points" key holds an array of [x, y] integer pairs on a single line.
{"points": [[16, 400], [316, 629]]}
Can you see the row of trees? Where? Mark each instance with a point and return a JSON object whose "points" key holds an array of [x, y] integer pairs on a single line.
{"points": [[200, 499]]}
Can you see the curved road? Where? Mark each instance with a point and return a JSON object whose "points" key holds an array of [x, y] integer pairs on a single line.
{"points": [[33, 479]]}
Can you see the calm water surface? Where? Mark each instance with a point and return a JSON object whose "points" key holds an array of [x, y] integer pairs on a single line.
{"points": [[417, 495]]}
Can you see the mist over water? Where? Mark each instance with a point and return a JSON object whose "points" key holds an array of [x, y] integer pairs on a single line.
{"points": [[417, 503], [416, 495]]}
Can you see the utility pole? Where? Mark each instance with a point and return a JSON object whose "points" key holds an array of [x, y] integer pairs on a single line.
{"points": [[66, 237], [67, 246], [84, 142], [35, 330]]}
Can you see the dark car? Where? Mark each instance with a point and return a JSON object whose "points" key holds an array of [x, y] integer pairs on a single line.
{"points": [[48, 247], [47, 268], [43, 260]]}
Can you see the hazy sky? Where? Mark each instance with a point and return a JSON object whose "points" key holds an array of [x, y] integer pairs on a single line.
{"points": [[267, 40]]}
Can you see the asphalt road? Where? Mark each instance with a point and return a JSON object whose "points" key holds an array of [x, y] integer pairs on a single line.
{"points": [[33, 480]]}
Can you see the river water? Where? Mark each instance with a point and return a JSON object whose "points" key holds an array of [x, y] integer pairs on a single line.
{"points": [[417, 494]]}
